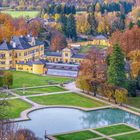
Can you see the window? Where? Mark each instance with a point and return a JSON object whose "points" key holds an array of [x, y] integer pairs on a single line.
{"points": [[66, 54], [16, 55], [25, 53], [2, 62], [2, 55]]}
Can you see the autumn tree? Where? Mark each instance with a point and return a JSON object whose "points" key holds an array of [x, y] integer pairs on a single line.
{"points": [[34, 27], [84, 84], [129, 40], [93, 68], [8, 79], [107, 90], [83, 26], [58, 41], [10, 27], [121, 95], [93, 23]]}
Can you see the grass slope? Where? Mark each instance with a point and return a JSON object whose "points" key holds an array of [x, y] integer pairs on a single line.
{"points": [[134, 101], [72, 99], [16, 106], [28, 80]]}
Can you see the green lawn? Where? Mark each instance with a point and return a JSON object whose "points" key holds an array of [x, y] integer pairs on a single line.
{"points": [[28, 80], [17, 14], [72, 99], [134, 101], [5, 95], [85, 49], [33, 91], [132, 136], [15, 107], [83, 135], [116, 129]]}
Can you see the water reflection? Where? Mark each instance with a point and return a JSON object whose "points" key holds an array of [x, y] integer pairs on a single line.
{"points": [[58, 120]]}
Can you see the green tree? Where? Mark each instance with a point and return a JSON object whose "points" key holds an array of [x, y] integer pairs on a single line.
{"points": [[63, 20], [138, 80], [138, 23], [131, 87], [116, 69], [131, 25], [71, 28], [8, 79]]}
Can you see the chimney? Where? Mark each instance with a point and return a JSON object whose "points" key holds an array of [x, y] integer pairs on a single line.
{"points": [[14, 44]]}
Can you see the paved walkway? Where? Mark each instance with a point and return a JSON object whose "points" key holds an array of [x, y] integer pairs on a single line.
{"points": [[34, 95], [37, 86]]}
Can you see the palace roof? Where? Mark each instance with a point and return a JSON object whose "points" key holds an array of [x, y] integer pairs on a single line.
{"points": [[20, 43], [5, 46], [58, 54], [100, 37]]}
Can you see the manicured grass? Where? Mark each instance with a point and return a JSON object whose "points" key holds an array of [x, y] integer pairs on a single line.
{"points": [[85, 49], [33, 91], [83, 135], [134, 101], [23, 79], [72, 99], [17, 14], [15, 107], [116, 129], [5, 95], [132, 136]]}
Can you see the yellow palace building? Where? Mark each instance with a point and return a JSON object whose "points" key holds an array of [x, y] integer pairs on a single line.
{"points": [[20, 49], [65, 56], [64, 63]]}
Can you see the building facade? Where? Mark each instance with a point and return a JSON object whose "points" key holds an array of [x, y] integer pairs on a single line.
{"points": [[65, 56], [65, 63], [43, 67], [20, 49], [99, 40]]}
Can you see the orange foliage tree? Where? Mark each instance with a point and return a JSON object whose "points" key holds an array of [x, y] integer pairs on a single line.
{"points": [[10, 27], [129, 40]]}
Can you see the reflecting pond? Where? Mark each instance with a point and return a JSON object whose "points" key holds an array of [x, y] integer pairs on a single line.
{"points": [[58, 120]]}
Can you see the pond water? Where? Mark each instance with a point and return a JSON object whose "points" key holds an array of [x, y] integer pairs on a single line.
{"points": [[58, 120]]}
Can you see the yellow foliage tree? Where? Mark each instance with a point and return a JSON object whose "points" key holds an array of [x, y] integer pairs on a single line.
{"points": [[121, 95]]}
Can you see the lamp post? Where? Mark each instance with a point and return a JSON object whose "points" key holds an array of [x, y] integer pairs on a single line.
{"points": [[45, 135]]}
